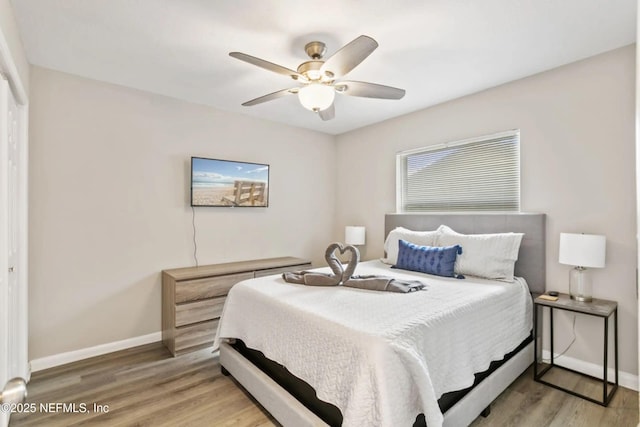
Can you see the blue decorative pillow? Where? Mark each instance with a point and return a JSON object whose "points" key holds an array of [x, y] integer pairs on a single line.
{"points": [[427, 259]]}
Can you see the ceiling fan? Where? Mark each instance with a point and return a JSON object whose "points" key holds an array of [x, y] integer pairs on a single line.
{"points": [[319, 78]]}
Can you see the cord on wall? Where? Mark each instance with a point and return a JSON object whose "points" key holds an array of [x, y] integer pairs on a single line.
{"points": [[195, 243], [570, 344]]}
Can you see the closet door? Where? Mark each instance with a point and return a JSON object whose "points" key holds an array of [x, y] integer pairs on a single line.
{"points": [[13, 271]]}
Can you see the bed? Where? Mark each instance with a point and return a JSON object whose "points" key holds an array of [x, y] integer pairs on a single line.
{"points": [[365, 358]]}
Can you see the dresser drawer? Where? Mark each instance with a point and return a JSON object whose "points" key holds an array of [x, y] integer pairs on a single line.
{"points": [[190, 290], [270, 271], [193, 335], [198, 311]]}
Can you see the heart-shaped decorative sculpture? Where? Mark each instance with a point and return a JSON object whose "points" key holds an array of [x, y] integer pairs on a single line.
{"points": [[338, 276], [335, 264], [324, 279]]}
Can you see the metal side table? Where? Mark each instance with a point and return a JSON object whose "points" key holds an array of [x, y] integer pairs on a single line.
{"points": [[598, 307]]}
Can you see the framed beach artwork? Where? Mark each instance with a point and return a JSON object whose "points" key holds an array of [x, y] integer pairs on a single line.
{"points": [[227, 183]]}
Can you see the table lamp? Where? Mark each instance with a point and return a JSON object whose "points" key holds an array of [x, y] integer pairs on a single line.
{"points": [[582, 251], [354, 235]]}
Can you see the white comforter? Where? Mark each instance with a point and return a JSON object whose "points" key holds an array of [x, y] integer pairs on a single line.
{"points": [[382, 358]]}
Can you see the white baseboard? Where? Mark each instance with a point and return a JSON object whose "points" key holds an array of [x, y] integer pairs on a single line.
{"points": [[625, 379], [98, 350]]}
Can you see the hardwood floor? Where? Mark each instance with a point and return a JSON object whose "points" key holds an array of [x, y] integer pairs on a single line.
{"points": [[528, 403], [145, 386]]}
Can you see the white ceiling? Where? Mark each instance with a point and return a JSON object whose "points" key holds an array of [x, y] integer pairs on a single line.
{"points": [[435, 49]]}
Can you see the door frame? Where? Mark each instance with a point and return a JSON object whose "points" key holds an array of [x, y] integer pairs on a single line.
{"points": [[17, 88], [637, 142]]}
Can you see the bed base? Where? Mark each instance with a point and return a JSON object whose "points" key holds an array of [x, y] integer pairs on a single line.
{"points": [[290, 412], [477, 401], [274, 398]]}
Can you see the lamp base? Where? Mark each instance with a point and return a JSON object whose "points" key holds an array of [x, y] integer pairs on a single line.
{"points": [[580, 285]]}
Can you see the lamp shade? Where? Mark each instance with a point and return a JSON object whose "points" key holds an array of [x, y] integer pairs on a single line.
{"points": [[316, 96], [582, 250], [354, 235]]}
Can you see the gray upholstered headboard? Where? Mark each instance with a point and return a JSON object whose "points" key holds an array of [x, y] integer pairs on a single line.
{"points": [[531, 259]]}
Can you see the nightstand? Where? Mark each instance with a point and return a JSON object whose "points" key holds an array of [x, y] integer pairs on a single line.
{"points": [[599, 308]]}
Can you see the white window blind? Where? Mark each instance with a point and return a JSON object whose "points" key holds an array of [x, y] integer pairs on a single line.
{"points": [[480, 174]]}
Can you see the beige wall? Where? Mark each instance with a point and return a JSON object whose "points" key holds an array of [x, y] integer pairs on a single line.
{"points": [[109, 204], [577, 150], [9, 32], [109, 191]]}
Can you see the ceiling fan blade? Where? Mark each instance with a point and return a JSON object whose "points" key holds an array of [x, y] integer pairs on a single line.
{"points": [[268, 65], [369, 90], [328, 113], [271, 96], [348, 58]]}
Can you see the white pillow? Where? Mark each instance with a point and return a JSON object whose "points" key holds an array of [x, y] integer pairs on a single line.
{"points": [[391, 245], [490, 256]]}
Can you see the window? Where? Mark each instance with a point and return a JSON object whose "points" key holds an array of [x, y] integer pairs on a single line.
{"points": [[479, 174]]}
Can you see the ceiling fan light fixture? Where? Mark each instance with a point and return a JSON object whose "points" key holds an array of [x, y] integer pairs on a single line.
{"points": [[320, 79], [316, 97]]}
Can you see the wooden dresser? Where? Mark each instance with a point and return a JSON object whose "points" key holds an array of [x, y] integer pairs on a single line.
{"points": [[193, 297]]}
